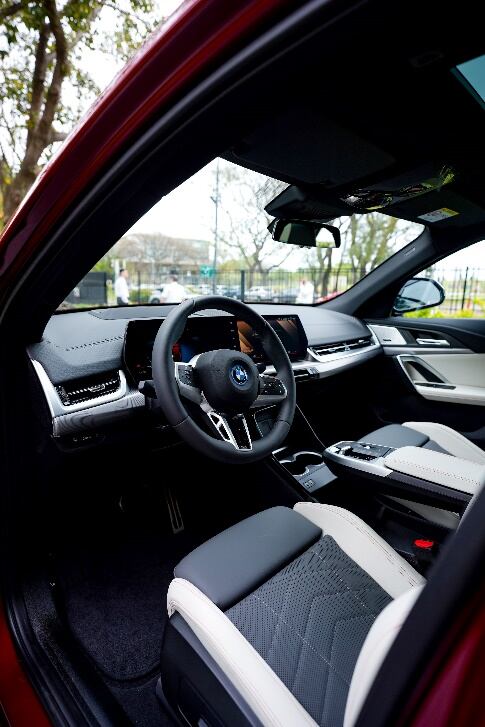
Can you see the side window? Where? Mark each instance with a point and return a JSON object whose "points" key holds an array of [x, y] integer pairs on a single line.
{"points": [[462, 277]]}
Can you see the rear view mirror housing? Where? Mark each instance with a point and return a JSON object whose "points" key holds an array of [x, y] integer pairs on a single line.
{"points": [[301, 232], [417, 294]]}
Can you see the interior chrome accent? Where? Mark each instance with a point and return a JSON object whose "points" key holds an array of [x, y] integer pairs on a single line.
{"points": [[433, 342], [223, 427], [424, 350], [343, 347], [57, 408], [388, 335], [437, 378]]}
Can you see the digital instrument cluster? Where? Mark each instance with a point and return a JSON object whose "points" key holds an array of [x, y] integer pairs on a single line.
{"points": [[207, 334]]}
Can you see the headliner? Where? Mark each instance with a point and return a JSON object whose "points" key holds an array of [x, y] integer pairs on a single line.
{"points": [[384, 103]]}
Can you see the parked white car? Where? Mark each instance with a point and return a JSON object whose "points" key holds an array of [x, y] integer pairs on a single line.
{"points": [[258, 292]]}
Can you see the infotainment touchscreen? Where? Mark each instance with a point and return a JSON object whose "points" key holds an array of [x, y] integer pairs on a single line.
{"points": [[289, 330]]}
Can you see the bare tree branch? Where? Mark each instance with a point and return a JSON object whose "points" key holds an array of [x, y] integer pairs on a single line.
{"points": [[56, 135], [12, 9], [129, 14], [38, 81]]}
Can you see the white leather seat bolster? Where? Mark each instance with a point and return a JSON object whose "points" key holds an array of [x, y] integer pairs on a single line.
{"points": [[442, 469], [364, 546], [453, 442], [375, 648], [262, 689]]}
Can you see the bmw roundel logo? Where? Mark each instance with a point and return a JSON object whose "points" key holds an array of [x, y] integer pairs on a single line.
{"points": [[239, 374]]}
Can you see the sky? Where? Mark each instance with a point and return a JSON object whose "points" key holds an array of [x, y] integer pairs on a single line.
{"points": [[102, 67]]}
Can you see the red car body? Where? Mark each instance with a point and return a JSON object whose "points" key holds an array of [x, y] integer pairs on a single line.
{"points": [[197, 38]]}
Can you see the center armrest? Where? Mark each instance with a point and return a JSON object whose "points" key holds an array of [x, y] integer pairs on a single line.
{"points": [[441, 469]]}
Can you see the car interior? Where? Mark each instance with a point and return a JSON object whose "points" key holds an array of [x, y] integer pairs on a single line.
{"points": [[217, 512]]}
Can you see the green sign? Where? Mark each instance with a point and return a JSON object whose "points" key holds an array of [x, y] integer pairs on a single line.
{"points": [[207, 271]]}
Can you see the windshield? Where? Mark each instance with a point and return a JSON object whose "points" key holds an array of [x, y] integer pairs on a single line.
{"points": [[210, 236]]}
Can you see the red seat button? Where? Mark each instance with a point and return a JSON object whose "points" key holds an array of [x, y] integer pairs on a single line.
{"points": [[424, 544]]}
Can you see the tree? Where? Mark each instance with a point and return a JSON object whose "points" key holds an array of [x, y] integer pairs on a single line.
{"points": [[372, 239], [152, 251], [244, 227], [367, 240], [42, 47], [322, 258]]}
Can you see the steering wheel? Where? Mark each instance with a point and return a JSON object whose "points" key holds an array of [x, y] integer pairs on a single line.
{"points": [[225, 384]]}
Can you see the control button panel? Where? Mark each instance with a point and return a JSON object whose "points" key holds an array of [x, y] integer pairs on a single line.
{"points": [[186, 375], [271, 386]]}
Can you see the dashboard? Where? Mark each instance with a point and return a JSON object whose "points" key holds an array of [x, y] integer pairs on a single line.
{"points": [[209, 334], [89, 363]]}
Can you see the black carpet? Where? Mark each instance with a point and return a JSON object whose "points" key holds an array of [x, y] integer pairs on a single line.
{"points": [[115, 600], [113, 573], [113, 568], [141, 704]]}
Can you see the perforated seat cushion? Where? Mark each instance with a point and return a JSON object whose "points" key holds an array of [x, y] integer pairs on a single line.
{"points": [[309, 622]]}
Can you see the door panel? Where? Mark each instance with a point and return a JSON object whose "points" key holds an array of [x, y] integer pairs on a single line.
{"points": [[460, 332], [456, 378], [433, 371]]}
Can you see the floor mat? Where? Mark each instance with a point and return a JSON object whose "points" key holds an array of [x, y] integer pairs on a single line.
{"points": [[115, 601], [141, 704], [114, 563], [113, 575]]}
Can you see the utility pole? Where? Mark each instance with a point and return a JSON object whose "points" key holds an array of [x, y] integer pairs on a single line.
{"points": [[216, 199]]}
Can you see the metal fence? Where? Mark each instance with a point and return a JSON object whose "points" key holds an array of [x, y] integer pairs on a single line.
{"points": [[92, 290], [277, 286], [464, 287]]}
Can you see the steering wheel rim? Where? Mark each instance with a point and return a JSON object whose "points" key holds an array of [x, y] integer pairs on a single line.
{"points": [[167, 383]]}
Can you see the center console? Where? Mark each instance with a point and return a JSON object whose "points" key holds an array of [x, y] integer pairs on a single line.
{"points": [[302, 456], [432, 475]]}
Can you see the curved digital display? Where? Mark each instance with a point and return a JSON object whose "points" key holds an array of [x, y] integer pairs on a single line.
{"points": [[208, 334], [289, 330]]}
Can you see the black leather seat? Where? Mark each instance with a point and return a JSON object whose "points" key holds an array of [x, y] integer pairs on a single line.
{"points": [[276, 620]]}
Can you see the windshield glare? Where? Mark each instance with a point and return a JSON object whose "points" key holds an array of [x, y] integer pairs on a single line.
{"points": [[210, 236]]}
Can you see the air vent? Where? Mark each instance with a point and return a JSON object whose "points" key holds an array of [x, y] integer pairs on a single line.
{"points": [[89, 388], [343, 347]]}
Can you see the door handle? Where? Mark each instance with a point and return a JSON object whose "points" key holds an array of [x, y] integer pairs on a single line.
{"points": [[432, 342], [416, 365]]}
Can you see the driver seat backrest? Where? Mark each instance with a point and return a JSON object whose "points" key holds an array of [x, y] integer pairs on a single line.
{"points": [[272, 668]]}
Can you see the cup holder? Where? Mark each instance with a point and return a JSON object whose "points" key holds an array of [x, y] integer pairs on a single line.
{"points": [[299, 463]]}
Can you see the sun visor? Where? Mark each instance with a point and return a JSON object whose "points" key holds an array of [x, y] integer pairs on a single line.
{"points": [[295, 203], [414, 183], [439, 209], [301, 144]]}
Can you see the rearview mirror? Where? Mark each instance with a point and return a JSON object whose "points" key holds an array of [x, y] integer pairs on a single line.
{"points": [[303, 233], [417, 294]]}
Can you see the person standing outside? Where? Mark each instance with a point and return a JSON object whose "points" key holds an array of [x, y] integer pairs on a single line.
{"points": [[173, 292], [305, 294], [122, 290]]}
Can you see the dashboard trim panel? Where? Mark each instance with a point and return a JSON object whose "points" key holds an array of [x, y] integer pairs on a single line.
{"points": [[127, 401], [57, 408]]}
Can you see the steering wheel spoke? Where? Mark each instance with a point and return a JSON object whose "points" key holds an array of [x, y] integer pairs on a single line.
{"points": [[221, 382], [271, 391], [186, 382], [232, 429]]}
